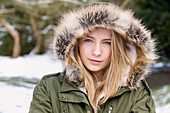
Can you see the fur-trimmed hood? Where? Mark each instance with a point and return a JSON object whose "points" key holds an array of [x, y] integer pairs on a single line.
{"points": [[78, 23]]}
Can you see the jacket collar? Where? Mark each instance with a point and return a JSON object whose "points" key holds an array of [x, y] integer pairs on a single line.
{"points": [[71, 93]]}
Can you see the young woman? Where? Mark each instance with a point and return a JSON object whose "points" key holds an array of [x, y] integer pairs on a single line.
{"points": [[107, 54]]}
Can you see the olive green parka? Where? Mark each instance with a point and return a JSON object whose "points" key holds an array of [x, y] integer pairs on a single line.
{"points": [[55, 94], [63, 92]]}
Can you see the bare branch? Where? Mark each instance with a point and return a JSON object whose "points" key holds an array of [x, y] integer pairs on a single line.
{"points": [[7, 11], [15, 36], [36, 33]]}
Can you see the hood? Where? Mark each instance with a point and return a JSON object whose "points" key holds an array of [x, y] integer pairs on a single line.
{"points": [[78, 23]]}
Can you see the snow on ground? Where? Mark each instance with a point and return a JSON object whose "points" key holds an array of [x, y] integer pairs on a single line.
{"points": [[162, 99], [16, 99], [31, 66]]}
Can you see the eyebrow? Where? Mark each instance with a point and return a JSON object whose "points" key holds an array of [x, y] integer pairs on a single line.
{"points": [[94, 38], [107, 39], [90, 37]]}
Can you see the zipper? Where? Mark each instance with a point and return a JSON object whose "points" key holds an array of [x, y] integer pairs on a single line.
{"points": [[110, 109]]}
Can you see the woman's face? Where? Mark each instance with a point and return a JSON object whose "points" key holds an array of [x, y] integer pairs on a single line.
{"points": [[95, 50]]}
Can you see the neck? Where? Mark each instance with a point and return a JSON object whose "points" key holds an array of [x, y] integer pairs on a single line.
{"points": [[99, 75]]}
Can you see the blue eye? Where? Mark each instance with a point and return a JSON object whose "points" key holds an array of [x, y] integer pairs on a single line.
{"points": [[108, 43], [88, 40]]}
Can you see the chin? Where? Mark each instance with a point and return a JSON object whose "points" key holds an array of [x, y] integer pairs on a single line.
{"points": [[95, 69]]}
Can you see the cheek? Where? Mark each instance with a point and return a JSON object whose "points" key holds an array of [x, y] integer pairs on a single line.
{"points": [[83, 50], [108, 57], [107, 53]]}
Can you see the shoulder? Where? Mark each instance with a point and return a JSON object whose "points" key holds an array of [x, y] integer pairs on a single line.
{"points": [[140, 92], [53, 77], [51, 81], [142, 99], [143, 87], [143, 92]]}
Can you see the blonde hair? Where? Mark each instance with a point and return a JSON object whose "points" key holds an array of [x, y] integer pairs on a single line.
{"points": [[114, 72], [112, 76]]}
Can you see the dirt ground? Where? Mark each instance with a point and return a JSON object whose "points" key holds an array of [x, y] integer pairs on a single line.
{"points": [[158, 79]]}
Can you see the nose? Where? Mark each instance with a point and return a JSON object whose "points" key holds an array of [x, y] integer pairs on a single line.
{"points": [[97, 50]]}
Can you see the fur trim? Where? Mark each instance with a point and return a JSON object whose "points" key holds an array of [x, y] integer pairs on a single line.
{"points": [[75, 24]]}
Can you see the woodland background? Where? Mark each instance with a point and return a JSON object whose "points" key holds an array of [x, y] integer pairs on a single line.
{"points": [[26, 25], [25, 47]]}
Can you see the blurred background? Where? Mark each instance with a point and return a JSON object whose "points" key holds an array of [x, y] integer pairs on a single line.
{"points": [[25, 46]]}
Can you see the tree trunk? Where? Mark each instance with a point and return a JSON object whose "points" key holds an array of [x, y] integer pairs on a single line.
{"points": [[14, 34], [36, 34]]}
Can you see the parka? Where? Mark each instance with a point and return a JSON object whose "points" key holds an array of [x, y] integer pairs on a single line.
{"points": [[63, 92], [55, 94]]}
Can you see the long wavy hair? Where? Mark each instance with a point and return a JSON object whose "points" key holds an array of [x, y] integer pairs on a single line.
{"points": [[113, 75]]}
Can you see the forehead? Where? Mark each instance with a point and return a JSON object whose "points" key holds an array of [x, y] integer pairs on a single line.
{"points": [[100, 32]]}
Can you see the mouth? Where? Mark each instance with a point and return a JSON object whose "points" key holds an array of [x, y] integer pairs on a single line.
{"points": [[95, 61]]}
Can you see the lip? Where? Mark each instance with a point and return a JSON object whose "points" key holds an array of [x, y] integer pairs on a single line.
{"points": [[95, 61]]}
